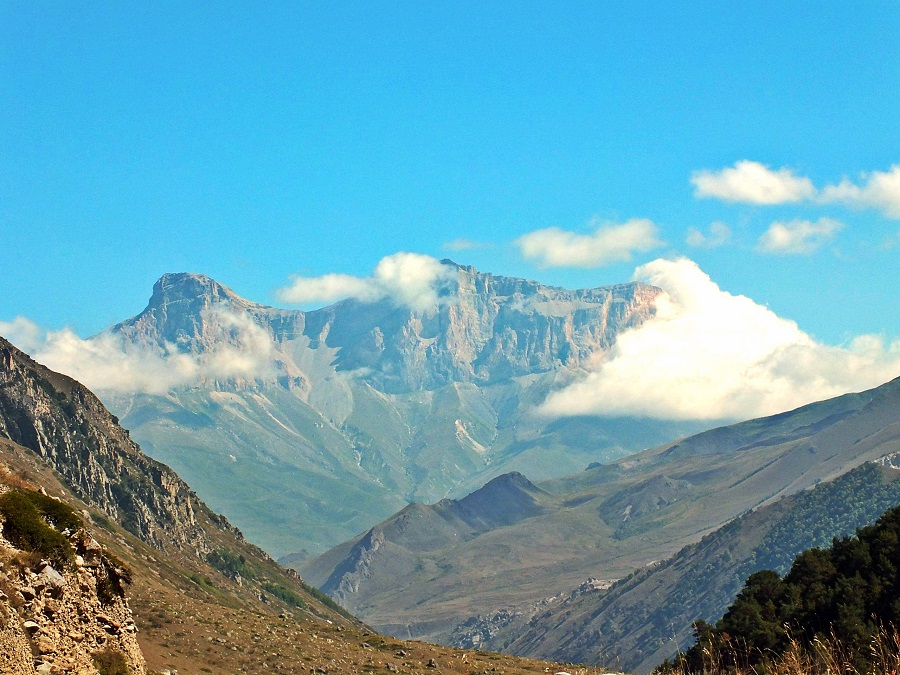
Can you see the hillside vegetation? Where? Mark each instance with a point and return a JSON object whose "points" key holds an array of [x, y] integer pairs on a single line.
{"points": [[647, 617], [842, 602]]}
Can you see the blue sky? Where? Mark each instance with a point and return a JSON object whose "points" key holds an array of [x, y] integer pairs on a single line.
{"points": [[256, 141]]}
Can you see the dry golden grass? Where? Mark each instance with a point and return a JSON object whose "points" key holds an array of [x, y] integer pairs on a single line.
{"points": [[824, 657]]}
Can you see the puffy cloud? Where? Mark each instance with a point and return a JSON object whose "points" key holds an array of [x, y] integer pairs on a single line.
{"points": [[409, 279], [880, 190], [707, 354], [553, 247], [328, 288], [752, 182], [243, 349], [412, 279], [109, 363], [719, 234], [798, 236]]}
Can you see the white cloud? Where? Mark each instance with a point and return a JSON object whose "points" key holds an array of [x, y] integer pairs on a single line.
{"points": [[798, 236], [718, 235], [707, 354], [22, 332], [328, 288], [752, 182], [409, 279], [412, 279], [880, 190], [553, 247], [109, 363]]}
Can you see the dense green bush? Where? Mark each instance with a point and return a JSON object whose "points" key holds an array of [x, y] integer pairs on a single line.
{"points": [[29, 521], [849, 593], [286, 595], [230, 564]]}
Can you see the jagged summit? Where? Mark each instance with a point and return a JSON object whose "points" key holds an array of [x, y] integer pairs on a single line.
{"points": [[175, 286], [178, 312], [496, 328]]}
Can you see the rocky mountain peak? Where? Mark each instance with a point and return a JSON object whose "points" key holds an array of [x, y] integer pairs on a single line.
{"points": [[178, 311], [180, 286], [505, 500], [483, 329]]}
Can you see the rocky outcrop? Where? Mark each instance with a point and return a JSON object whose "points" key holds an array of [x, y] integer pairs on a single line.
{"points": [[55, 621], [346, 579], [64, 423]]}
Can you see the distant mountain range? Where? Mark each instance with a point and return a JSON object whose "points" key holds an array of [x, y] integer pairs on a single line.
{"points": [[508, 566], [359, 408]]}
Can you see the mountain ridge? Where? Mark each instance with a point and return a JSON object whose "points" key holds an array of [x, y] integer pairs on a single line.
{"points": [[374, 403]]}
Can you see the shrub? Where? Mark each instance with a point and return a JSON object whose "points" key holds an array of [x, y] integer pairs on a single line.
{"points": [[230, 564], [845, 596], [26, 515], [110, 587], [286, 595]]}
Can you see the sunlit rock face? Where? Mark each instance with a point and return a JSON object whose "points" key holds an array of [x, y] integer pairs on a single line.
{"points": [[307, 427], [485, 329]]}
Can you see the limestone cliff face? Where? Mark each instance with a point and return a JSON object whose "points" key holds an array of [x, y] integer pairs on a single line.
{"points": [[181, 314], [486, 329], [62, 621], [64, 423], [344, 414]]}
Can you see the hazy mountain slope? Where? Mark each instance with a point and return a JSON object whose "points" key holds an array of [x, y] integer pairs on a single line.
{"points": [[361, 408], [204, 600], [609, 520], [504, 501], [647, 617]]}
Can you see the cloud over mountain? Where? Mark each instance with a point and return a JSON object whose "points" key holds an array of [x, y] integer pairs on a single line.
{"points": [[708, 354], [410, 279], [107, 362], [609, 243]]}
